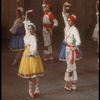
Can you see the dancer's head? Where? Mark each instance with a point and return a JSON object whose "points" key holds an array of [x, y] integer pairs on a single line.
{"points": [[31, 28], [71, 19], [18, 13], [49, 7]]}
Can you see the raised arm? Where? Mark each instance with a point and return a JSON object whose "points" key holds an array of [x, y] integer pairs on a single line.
{"points": [[26, 15], [44, 5], [17, 2], [66, 7], [26, 22], [97, 6], [44, 1]]}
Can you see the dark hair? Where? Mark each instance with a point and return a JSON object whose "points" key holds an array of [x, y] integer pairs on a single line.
{"points": [[50, 8], [19, 11], [31, 26]]}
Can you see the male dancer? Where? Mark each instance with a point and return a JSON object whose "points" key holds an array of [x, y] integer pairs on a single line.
{"points": [[72, 39], [49, 23]]}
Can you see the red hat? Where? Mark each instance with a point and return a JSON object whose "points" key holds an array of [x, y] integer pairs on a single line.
{"points": [[50, 6], [72, 17]]}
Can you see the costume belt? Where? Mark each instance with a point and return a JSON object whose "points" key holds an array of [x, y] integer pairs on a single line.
{"points": [[47, 25], [76, 51]]}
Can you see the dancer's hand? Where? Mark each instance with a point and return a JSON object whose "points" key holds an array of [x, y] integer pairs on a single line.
{"points": [[17, 0], [67, 4], [29, 10], [73, 48], [49, 29], [29, 53]]}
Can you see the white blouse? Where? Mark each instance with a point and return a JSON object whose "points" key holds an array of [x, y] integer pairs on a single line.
{"points": [[30, 39], [18, 23]]}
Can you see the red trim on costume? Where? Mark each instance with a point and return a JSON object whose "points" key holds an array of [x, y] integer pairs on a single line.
{"points": [[78, 53], [69, 34], [71, 17], [69, 45], [47, 25], [51, 16], [73, 83], [72, 61], [50, 5], [29, 75], [25, 46]]}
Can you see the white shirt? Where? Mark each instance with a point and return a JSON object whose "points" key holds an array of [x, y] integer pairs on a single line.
{"points": [[46, 19], [72, 36]]}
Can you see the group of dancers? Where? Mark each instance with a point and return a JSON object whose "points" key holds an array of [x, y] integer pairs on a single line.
{"points": [[31, 64]]}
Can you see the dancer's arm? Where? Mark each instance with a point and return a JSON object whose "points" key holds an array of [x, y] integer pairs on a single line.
{"points": [[64, 12], [97, 6], [44, 5], [44, 1], [26, 15], [17, 2], [27, 20]]}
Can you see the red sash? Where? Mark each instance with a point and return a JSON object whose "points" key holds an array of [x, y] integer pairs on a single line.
{"points": [[77, 53], [47, 25]]}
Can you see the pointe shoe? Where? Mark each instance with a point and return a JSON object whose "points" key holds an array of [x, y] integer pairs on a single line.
{"points": [[37, 92], [31, 94], [14, 63]]}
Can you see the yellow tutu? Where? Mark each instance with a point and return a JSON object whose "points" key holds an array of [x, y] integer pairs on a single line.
{"points": [[30, 66]]}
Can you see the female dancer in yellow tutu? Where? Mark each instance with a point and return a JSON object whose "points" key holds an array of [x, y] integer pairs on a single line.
{"points": [[31, 66]]}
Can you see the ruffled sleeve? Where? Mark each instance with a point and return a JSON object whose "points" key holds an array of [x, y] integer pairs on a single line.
{"points": [[26, 23], [33, 45], [18, 23]]}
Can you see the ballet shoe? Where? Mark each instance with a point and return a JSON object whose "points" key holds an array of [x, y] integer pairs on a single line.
{"points": [[36, 92], [31, 94]]}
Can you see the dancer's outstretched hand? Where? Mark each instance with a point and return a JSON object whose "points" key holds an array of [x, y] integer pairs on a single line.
{"points": [[67, 4], [17, 0], [30, 10]]}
